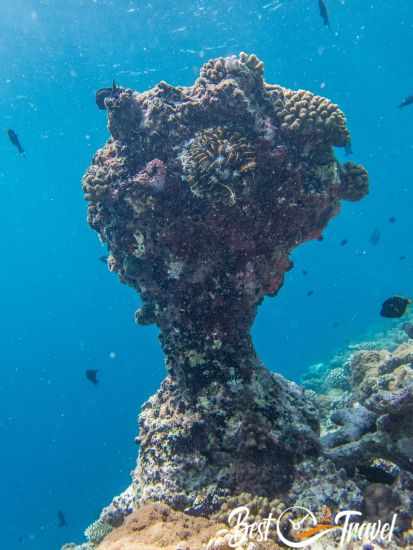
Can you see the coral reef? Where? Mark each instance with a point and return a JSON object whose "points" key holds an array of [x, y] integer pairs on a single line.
{"points": [[375, 485], [217, 424], [156, 526], [383, 382], [355, 422], [367, 428], [120, 507], [335, 373], [97, 531], [201, 194]]}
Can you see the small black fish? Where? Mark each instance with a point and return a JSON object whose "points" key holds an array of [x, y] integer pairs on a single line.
{"points": [[406, 102], [304, 272], [310, 292], [61, 519], [103, 93], [14, 138], [392, 219], [344, 242], [104, 259], [324, 13], [91, 375], [395, 307], [375, 475], [402, 257], [375, 237]]}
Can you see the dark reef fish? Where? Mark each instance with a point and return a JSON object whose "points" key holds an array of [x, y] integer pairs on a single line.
{"points": [[14, 138], [395, 307], [91, 375], [375, 237], [61, 519], [392, 219], [344, 242], [103, 93], [103, 259], [310, 292], [406, 102], [324, 15], [375, 475]]}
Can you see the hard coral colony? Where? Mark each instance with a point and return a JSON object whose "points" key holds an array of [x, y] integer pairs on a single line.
{"points": [[201, 194]]}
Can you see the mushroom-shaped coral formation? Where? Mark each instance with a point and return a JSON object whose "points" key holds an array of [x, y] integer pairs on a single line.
{"points": [[201, 194]]}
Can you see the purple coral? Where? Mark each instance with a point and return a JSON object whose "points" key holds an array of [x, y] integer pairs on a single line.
{"points": [[153, 176]]}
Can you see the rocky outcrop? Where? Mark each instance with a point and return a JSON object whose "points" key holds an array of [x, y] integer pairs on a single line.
{"points": [[200, 195]]}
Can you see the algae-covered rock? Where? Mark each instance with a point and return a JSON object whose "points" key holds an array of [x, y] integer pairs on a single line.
{"points": [[200, 195]]}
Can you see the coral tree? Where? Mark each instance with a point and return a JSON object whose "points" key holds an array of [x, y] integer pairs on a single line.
{"points": [[201, 194]]}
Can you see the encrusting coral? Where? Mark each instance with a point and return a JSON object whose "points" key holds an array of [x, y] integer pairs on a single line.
{"points": [[201, 194], [97, 531]]}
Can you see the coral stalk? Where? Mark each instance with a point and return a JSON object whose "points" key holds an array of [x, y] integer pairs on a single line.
{"points": [[201, 194]]}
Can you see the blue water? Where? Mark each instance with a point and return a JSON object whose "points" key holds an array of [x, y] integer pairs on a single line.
{"points": [[64, 443]]}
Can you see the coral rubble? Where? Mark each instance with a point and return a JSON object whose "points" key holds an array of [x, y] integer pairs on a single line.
{"points": [[366, 424], [201, 194], [383, 382]]}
